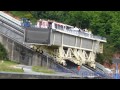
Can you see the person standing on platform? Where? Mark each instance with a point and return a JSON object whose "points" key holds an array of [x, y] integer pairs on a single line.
{"points": [[78, 69]]}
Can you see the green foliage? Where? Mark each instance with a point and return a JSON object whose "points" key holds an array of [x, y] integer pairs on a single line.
{"points": [[107, 54], [25, 14], [100, 58], [3, 52]]}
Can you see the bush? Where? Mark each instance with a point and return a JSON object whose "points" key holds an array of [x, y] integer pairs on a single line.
{"points": [[3, 53]]}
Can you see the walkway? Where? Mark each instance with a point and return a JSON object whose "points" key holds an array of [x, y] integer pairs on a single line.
{"points": [[28, 70]]}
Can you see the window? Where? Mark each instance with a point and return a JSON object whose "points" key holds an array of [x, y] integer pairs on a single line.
{"points": [[43, 23], [61, 27], [68, 28], [64, 27], [56, 26]]}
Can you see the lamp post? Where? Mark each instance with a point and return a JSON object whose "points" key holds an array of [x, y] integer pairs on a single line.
{"points": [[116, 61], [116, 72]]}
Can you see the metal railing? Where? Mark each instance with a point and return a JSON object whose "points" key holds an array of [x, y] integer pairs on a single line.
{"points": [[12, 23], [84, 34], [10, 18]]}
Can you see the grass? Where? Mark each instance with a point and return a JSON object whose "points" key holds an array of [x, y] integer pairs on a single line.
{"points": [[7, 66], [42, 69], [25, 14]]}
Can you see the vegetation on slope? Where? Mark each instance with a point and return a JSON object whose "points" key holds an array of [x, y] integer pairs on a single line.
{"points": [[3, 53], [23, 14]]}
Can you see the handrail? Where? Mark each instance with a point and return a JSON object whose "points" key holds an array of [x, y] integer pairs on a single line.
{"points": [[102, 74], [20, 29], [82, 34], [6, 16], [10, 22]]}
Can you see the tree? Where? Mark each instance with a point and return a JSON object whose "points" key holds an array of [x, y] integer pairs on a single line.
{"points": [[3, 52]]}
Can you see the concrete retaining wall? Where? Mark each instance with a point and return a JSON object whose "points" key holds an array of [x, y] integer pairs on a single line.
{"points": [[19, 53], [4, 75]]}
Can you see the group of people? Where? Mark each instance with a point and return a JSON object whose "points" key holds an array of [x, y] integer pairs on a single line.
{"points": [[53, 25], [26, 22]]}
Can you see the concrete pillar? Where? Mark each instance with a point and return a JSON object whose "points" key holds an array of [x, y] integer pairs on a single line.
{"points": [[34, 61], [0, 38], [12, 54], [30, 60], [47, 61]]}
